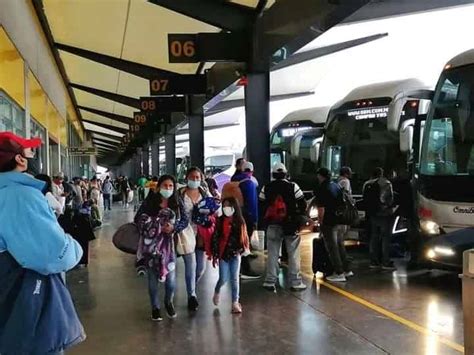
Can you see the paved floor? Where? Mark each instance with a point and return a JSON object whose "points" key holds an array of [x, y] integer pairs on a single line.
{"points": [[374, 313]]}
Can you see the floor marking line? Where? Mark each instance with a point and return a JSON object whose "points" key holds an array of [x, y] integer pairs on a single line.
{"points": [[391, 315], [383, 311]]}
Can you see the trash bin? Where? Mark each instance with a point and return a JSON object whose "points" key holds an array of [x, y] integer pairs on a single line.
{"points": [[467, 300]]}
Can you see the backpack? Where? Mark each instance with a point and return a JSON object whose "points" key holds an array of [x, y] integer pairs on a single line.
{"points": [[232, 189], [371, 198], [346, 211], [277, 211]]}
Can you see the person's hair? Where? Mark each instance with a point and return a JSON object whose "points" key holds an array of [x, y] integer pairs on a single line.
{"points": [[48, 187], [324, 172], [345, 170], [378, 172], [239, 161], [10, 165], [151, 205], [279, 175], [107, 177], [211, 183], [194, 169], [154, 178]]}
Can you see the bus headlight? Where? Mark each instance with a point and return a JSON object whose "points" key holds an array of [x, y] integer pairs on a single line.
{"points": [[429, 227], [313, 212]]}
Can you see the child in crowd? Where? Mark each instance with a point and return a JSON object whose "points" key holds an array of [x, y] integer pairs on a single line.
{"points": [[156, 253], [230, 240]]}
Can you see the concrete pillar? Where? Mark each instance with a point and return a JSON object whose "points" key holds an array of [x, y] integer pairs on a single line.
{"points": [[170, 152], [257, 122], [146, 160], [155, 156]]}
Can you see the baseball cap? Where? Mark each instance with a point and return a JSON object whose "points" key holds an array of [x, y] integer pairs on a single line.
{"points": [[11, 145], [279, 168], [247, 166]]}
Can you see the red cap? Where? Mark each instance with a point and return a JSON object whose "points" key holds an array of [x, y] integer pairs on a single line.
{"points": [[11, 144]]}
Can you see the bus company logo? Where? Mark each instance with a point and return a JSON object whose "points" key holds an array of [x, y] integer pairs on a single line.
{"points": [[466, 210]]}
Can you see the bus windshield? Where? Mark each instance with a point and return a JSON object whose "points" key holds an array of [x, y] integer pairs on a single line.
{"points": [[448, 148], [363, 144]]}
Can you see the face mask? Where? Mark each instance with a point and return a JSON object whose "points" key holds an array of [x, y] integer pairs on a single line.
{"points": [[166, 193], [33, 166], [228, 211], [194, 184]]}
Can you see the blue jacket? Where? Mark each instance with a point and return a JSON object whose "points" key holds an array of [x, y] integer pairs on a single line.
{"points": [[30, 231], [249, 192]]}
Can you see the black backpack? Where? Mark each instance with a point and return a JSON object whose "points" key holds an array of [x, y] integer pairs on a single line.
{"points": [[371, 198], [346, 211]]}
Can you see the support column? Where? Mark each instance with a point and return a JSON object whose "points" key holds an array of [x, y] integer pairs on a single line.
{"points": [[146, 160], [257, 124], [196, 139], [170, 152], [155, 156]]}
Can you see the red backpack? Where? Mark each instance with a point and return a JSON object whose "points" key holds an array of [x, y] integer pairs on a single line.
{"points": [[277, 211]]}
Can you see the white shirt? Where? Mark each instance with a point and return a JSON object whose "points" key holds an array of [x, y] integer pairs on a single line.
{"points": [[54, 204], [58, 190]]}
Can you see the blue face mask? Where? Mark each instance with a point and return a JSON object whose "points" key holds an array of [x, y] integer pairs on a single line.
{"points": [[166, 193], [194, 184]]}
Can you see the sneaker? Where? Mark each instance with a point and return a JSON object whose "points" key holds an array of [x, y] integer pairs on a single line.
{"points": [[269, 286], [170, 310], [336, 278], [236, 308], [374, 266], [389, 267], [216, 299], [193, 303], [249, 275], [300, 287], [348, 274], [319, 275], [156, 315]]}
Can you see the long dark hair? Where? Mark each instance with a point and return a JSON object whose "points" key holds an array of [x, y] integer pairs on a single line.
{"points": [[152, 204], [48, 187], [195, 169]]}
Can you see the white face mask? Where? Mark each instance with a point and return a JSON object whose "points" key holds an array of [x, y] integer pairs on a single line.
{"points": [[228, 211]]}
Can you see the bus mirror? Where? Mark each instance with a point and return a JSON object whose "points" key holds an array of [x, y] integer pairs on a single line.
{"points": [[314, 152], [295, 146], [394, 112], [406, 139]]}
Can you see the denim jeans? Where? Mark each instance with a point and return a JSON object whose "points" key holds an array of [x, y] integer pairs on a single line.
{"points": [[194, 268], [275, 236], [380, 236], [170, 285], [229, 270], [334, 240], [106, 202]]}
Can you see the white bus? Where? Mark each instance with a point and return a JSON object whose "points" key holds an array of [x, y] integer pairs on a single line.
{"points": [[444, 176], [364, 131], [294, 141]]}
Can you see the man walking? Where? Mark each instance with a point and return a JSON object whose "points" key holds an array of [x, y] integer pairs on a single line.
{"points": [[378, 202], [282, 202], [107, 190], [328, 197]]}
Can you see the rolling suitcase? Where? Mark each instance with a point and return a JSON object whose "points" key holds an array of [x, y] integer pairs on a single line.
{"points": [[321, 261]]}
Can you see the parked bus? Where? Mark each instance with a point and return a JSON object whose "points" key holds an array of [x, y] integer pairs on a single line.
{"points": [[294, 141], [444, 175], [363, 132]]}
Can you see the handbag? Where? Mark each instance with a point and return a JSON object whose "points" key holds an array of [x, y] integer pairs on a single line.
{"points": [[126, 238], [255, 240]]}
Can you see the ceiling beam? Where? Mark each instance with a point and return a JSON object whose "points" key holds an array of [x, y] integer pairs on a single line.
{"points": [[323, 51], [209, 128], [103, 142], [107, 126], [112, 116], [103, 145], [125, 100], [231, 17], [105, 138], [104, 134]]}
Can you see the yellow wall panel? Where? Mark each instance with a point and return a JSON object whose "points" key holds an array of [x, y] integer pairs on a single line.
{"points": [[53, 122], [37, 101], [12, 74]]}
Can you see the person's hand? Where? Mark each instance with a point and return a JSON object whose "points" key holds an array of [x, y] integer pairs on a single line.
{"points": [[167, 228]]}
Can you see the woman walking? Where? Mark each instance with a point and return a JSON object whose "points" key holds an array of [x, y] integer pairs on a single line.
{"points": [[189, 244], [159, 218], [229, 242]]}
